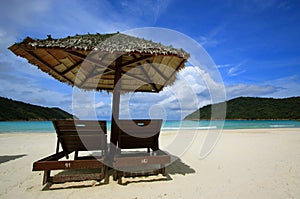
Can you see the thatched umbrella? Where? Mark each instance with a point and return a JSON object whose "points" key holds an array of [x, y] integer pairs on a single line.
{"points": [[112, 62]]}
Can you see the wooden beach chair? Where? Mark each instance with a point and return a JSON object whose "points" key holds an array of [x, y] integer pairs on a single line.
{"points": [[135, 135], [75, 136]]}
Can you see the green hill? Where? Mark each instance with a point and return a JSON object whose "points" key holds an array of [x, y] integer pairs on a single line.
{"points": [[254, 108], [11, 110]]}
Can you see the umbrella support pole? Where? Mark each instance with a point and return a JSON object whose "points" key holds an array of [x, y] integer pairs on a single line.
{"points": [[115, 106]]}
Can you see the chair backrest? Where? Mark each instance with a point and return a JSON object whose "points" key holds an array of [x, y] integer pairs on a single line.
{"points": [[81, 135], [139, 134]]}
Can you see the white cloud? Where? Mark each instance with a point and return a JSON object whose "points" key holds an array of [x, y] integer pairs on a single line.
{"points": [[99, 104], [208, 41], [22, 81], [211, 38], [288, 86], [29, 91], [236, 70], [278, 88], [91, 104], [219, 66], [193, 88], [233, 69], [238, 90]]}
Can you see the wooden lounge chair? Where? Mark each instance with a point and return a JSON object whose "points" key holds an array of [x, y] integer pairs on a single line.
{"points": [[139, 134], [76, 136]]}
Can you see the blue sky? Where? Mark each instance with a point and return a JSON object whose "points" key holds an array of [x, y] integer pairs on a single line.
{"points": [[254, 44]]}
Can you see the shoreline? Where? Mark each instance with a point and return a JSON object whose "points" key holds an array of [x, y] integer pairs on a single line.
{"points": [[224, 130], [47, 126], [237, 119]]}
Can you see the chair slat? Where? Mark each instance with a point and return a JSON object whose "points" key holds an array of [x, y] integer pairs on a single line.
{"points": [[139, 134]]}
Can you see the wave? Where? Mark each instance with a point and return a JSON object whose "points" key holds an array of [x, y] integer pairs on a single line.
{"points": [[281, 126], [190, 128]]}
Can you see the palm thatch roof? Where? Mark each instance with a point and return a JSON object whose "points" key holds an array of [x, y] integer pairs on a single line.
{"points": [[90, 61]]}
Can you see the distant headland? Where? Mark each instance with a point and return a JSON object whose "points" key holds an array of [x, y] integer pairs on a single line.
{"points": [[12, 110], [253, 108]]}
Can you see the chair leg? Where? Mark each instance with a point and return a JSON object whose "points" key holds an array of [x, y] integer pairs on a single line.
{"points": [[115, 175], [106, 175], [163, 169], [120, 180], [46, 176]]}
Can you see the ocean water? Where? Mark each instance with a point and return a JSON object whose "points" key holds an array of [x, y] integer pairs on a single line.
{"points": [[46, 126]]}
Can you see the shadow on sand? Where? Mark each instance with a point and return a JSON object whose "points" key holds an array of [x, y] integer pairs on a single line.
{"points": [[6, 158], [178, 167]]}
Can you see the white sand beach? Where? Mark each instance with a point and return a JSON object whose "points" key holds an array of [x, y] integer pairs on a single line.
{"points": [[256, 163]]}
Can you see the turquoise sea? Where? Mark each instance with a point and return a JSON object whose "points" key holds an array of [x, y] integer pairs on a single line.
{"points": [[46, 126]]}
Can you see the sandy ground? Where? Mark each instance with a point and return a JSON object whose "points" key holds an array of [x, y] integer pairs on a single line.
{"points": [[258, 163]]}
